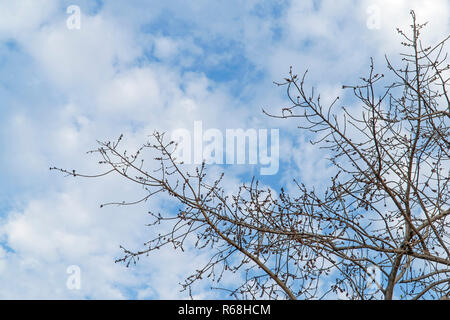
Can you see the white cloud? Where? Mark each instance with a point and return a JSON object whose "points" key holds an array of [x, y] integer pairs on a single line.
{"points": [[19, 17]]}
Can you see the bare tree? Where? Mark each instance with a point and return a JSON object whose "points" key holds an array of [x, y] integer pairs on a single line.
{"points": [[381, 228]]}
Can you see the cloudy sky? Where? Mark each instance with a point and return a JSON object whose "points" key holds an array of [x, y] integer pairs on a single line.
{"points": [[135, 66]]}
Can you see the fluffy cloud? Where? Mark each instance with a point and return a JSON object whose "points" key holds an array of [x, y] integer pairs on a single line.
{"points": [[133, 68]]}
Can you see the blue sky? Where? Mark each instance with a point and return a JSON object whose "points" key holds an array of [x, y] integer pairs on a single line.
{"points": [[135, 66]]}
